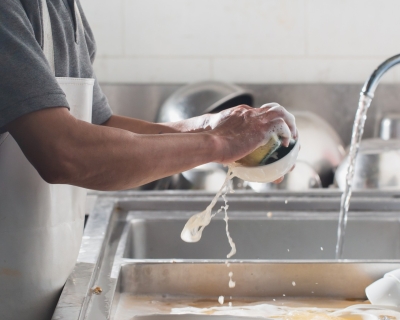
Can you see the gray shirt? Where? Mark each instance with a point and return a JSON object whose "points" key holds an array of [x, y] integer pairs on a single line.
{"points": [[26, 80]]}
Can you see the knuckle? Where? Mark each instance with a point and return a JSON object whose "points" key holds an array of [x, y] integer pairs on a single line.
{"points": [[280, 120]]}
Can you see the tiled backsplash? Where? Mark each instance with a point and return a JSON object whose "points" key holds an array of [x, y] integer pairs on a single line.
{"points": [[246, 41]]}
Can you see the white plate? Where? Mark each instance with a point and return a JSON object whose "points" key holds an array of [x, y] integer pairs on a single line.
{"points": [[269, 172]]}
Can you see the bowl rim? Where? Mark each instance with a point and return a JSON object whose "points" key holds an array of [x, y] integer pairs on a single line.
{"points": [[295, 149]]}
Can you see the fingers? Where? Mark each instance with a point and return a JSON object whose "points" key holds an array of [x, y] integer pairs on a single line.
{"points": [[283, 178], [275, 110], [280, 127], [269, 105], [270, 110], [279, 180]]}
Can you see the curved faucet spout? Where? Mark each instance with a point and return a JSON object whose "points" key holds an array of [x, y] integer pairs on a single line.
{"points": [[372, 83]]}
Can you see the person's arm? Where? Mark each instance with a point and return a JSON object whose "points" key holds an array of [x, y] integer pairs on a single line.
{"points": [[65, 150], [192, 125]]}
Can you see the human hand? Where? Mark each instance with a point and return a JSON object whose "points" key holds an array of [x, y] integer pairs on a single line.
{"points": [[242, 129], [278, 181]]}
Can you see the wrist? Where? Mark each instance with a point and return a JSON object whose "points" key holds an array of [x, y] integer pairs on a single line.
{"points": [[214, 146]]}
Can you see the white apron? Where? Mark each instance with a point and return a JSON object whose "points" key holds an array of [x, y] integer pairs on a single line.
{"points": [[41, 225]]}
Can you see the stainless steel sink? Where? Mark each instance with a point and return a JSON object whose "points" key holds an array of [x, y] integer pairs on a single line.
{"points": [[132, 246]]}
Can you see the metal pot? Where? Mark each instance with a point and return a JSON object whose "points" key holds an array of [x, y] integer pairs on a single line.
{"points": [[377, 166]]}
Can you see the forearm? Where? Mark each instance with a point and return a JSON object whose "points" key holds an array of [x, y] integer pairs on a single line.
{"points": [[115, 159], [69, 151], [65, 150], [192, 125]]}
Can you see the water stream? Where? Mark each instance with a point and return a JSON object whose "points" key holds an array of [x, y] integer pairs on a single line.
{"points": [[358, 129]]}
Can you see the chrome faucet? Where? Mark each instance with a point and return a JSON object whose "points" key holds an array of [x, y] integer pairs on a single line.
{"points": [[373, 81]]}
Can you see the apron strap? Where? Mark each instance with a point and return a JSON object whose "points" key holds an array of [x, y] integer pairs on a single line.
{"points": [[48, 47], [48, 44]]}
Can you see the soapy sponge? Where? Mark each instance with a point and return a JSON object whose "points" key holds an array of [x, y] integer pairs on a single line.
{"points": [[260, 156]]}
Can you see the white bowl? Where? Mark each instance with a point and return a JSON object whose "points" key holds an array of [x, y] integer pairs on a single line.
{"points": [[384, 292], [269, 172], [395, 274]]}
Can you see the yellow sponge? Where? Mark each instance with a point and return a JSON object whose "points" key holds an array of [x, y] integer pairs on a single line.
{"points": [[259, 156]]}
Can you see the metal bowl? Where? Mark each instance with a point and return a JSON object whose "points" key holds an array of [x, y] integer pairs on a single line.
{"points": [[321, 146], [195, 100], [200, 98], [302, 178], [209, 176], [377, 166]]}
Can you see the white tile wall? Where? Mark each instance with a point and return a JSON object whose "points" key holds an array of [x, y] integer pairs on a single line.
{"points": [[156, 70], [253, 41], [353, 28]]}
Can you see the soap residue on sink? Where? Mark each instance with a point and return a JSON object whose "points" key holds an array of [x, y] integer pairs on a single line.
{"points": [[279, 308], [355, 312]]}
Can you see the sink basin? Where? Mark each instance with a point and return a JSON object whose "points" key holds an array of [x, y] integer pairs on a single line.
{"points": [[132, 246]]}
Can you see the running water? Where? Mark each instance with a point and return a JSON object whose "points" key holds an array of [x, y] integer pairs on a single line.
{"points": [[358, 129]]}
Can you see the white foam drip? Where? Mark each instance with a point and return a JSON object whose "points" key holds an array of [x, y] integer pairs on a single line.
{"points": [[232, 283], [194, 227]]}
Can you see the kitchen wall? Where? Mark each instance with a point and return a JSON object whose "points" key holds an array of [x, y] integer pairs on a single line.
{"points": [[245, 41]]}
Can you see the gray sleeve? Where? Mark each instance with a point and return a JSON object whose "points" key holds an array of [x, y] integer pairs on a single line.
{"points": [[26, 81], [101, 109]]}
